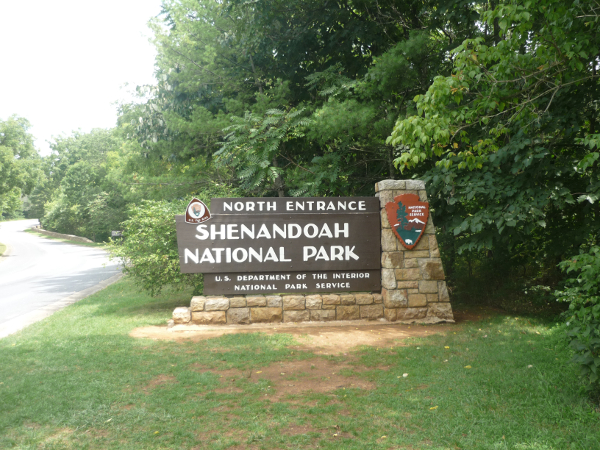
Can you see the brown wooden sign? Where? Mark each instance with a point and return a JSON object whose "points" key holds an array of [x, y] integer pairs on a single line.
{"points": [[408, 217], [291, 282], [279, 242], [283, 245]]}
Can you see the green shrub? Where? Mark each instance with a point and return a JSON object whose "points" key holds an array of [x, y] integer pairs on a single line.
{"points": [[583, 318], [64, 217], [148, 248]]}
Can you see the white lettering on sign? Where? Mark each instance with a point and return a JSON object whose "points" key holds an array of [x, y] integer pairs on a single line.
{"points": [[333, 285], [326, 205], [207, 257], [297, 286], [187, 255], [294, 231], [249, 206], [310, 230], [417, 210], [336, 252], [232, 231], [263, 232], [255, 287], [295, 205], [351, 275], [238, 255], [269, 277], [285, 231], [338, 231]]}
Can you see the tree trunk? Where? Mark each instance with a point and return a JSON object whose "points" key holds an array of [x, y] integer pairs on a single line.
{"points": [[260, 89], [391, 167], [278, 180]]}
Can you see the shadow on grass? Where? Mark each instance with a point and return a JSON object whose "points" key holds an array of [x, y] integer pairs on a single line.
{"points": [[126, 299]]}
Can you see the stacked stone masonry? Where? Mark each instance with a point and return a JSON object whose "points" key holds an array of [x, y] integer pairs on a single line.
{"points": [[246, 309], [413, 286]]}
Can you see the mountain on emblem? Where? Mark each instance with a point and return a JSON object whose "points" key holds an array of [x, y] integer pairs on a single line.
{"points": [[408, 218], [196, 212]]}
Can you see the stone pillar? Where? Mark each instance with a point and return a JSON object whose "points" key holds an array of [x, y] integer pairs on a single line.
{"points": [[413, 286]]}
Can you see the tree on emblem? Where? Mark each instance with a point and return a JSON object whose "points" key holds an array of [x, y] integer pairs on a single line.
{"points": [[401, 214]]}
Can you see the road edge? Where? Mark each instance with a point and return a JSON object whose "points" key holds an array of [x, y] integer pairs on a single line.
{"points": [[6, 252], [24, 320], [66, 237]]}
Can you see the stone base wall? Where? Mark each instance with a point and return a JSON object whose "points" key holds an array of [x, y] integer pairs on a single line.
{"points": [[413, 281], [247, 309]]}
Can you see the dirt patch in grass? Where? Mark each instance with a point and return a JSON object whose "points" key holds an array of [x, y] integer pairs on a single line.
{"points": [[58, 439], [327, 339], [228, 390], [211, 437], [158, 381], [297, 378], [98, 433], [323, 339], [335, 340], [294, 379], [228, 373], [295, 430]]}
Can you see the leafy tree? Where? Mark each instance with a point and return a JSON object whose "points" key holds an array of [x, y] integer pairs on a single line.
{"points": [[255, 142], [19, 165], [11, 205], [509, 145], [512, 131], [83, 192], [350, 67]]}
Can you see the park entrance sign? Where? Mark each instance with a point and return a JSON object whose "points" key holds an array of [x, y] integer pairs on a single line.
{"points": [[284, 245], [273, 260]]}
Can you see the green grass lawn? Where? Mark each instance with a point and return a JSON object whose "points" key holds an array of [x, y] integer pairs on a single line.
{"points": [[77, 380], [2, 248]]}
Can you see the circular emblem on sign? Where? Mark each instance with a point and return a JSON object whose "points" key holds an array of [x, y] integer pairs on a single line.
{"points": [[196, 212]]}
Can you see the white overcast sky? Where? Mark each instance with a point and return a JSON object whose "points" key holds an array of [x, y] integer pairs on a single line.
{"points": [[63, 63]]}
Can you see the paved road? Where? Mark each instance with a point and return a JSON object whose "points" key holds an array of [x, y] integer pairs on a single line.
{"points": [[39, 276]]}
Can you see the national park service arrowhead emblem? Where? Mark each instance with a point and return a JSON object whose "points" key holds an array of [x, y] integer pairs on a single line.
{"points": [[408, 218], [197, 212]]}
